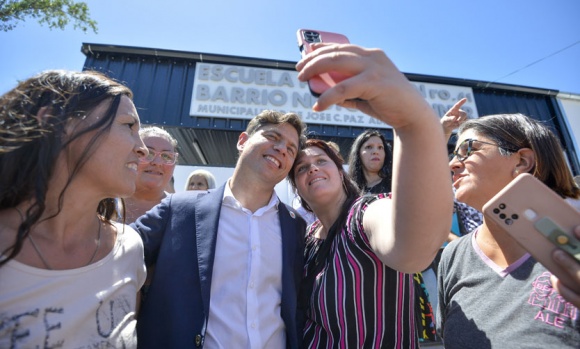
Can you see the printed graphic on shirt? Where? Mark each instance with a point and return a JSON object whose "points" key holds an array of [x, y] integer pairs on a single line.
{"points": [[47, 323], [554, 310]]}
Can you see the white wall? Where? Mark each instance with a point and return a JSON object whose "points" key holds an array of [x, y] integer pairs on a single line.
{"points": [[570, 105]]}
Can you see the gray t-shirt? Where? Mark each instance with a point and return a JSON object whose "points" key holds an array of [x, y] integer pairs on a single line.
{"points": [[484, 306]]}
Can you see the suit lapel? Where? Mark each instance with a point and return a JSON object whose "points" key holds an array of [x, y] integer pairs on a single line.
{"points": [[288, 230], [207, 212]]}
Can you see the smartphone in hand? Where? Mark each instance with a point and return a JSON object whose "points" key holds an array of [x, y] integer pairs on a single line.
{"points": [[539, 220], [306, 37]]}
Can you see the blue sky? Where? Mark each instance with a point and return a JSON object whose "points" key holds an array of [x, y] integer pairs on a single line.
{"points": [[477, 40]]}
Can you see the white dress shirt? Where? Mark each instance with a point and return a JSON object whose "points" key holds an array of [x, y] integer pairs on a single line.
{"points": [[246, 287]]}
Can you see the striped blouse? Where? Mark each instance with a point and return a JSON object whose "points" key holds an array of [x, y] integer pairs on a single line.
{"points": [[357, 301]]}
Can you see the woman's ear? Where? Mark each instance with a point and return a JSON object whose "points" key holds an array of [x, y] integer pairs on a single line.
{"points": [[526, 161]]}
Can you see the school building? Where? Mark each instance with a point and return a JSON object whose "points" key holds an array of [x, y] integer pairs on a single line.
{"points": [[205, 100]]}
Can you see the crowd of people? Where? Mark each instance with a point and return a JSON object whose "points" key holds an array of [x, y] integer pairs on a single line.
{"points": [[85, 215]]}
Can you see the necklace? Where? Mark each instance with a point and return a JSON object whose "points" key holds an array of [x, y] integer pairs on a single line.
{"points": [[40, 254]]}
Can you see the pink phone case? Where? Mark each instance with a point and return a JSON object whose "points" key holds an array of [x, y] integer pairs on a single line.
{"points": [[539, 220], [323, 82]]}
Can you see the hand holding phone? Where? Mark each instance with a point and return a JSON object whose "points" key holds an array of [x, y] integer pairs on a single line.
{"points": [[539, 220], [306, 37]]}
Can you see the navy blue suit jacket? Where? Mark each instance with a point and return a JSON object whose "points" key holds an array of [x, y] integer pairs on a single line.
{"points": [[179, 236]]}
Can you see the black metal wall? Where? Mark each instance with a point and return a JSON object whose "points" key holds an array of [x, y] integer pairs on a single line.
{"points": [[162, 81]]}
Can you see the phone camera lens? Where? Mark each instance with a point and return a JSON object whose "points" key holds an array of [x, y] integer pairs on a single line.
{"points": [[502, 206], [496, 210], [502, 216], [509, 221], [515, 216], [312, 37]]}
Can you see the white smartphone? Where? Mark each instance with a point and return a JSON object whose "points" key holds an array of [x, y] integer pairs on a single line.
{"points": [[539, 220], [307, 37]]}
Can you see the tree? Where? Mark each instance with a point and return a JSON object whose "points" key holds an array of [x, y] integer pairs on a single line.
{"points": [[54, 13]]}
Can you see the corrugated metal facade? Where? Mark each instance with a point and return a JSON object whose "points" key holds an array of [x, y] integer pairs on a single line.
{"points": [[162, 81]]}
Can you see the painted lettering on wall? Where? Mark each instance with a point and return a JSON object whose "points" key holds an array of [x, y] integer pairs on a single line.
{"points": [[222, 90]]}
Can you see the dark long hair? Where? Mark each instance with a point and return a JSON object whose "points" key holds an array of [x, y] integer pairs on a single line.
{"points": [[33, 119], [517, 131], [352, 193], [355, 166]]}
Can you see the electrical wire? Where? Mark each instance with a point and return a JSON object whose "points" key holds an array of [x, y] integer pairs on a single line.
{"points": [[535, 62]]}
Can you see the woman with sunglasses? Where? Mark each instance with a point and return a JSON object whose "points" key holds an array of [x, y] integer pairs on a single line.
{"points": [[492, 293], [154, 172]]}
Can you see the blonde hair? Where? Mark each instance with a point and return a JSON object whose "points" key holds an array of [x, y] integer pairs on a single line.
{"points": [[209, 178]]}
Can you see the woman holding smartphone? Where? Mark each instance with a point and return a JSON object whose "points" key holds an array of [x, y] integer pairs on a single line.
{"points": [[492, 293], [362, 251], [572, 267]]}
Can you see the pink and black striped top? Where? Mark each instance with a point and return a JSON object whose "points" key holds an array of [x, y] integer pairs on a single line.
{"points": [[357, 301]]}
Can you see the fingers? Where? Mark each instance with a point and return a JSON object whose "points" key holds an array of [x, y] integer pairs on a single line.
{"points": [[567, 262], [331, 57], [459, 104], [459, 115], [347, 93], [305, 67], [459, 119], [573, 269], [565, 292], [373, 85], [349, 60]]}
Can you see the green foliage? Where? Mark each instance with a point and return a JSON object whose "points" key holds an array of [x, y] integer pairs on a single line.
{"points": [[54, 13]]}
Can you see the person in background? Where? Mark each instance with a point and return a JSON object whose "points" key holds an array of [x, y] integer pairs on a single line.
{"points": [[154, 176], [362, 251], [200, 180], [69, 274], [370, 162], [229, 261], [154, 172], [492, 293]]}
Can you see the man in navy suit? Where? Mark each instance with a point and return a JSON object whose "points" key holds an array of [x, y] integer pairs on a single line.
{"points": [[228, 263]]}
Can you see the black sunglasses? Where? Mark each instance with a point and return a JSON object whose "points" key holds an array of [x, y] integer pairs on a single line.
{"points": [[465, 149]]}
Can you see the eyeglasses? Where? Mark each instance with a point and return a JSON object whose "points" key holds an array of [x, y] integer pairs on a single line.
{"points": [[167, 157], [465, 149]]}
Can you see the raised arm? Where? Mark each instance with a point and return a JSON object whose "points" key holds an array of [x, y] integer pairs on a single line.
{"points": [[405, 232], [453, 118]]}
